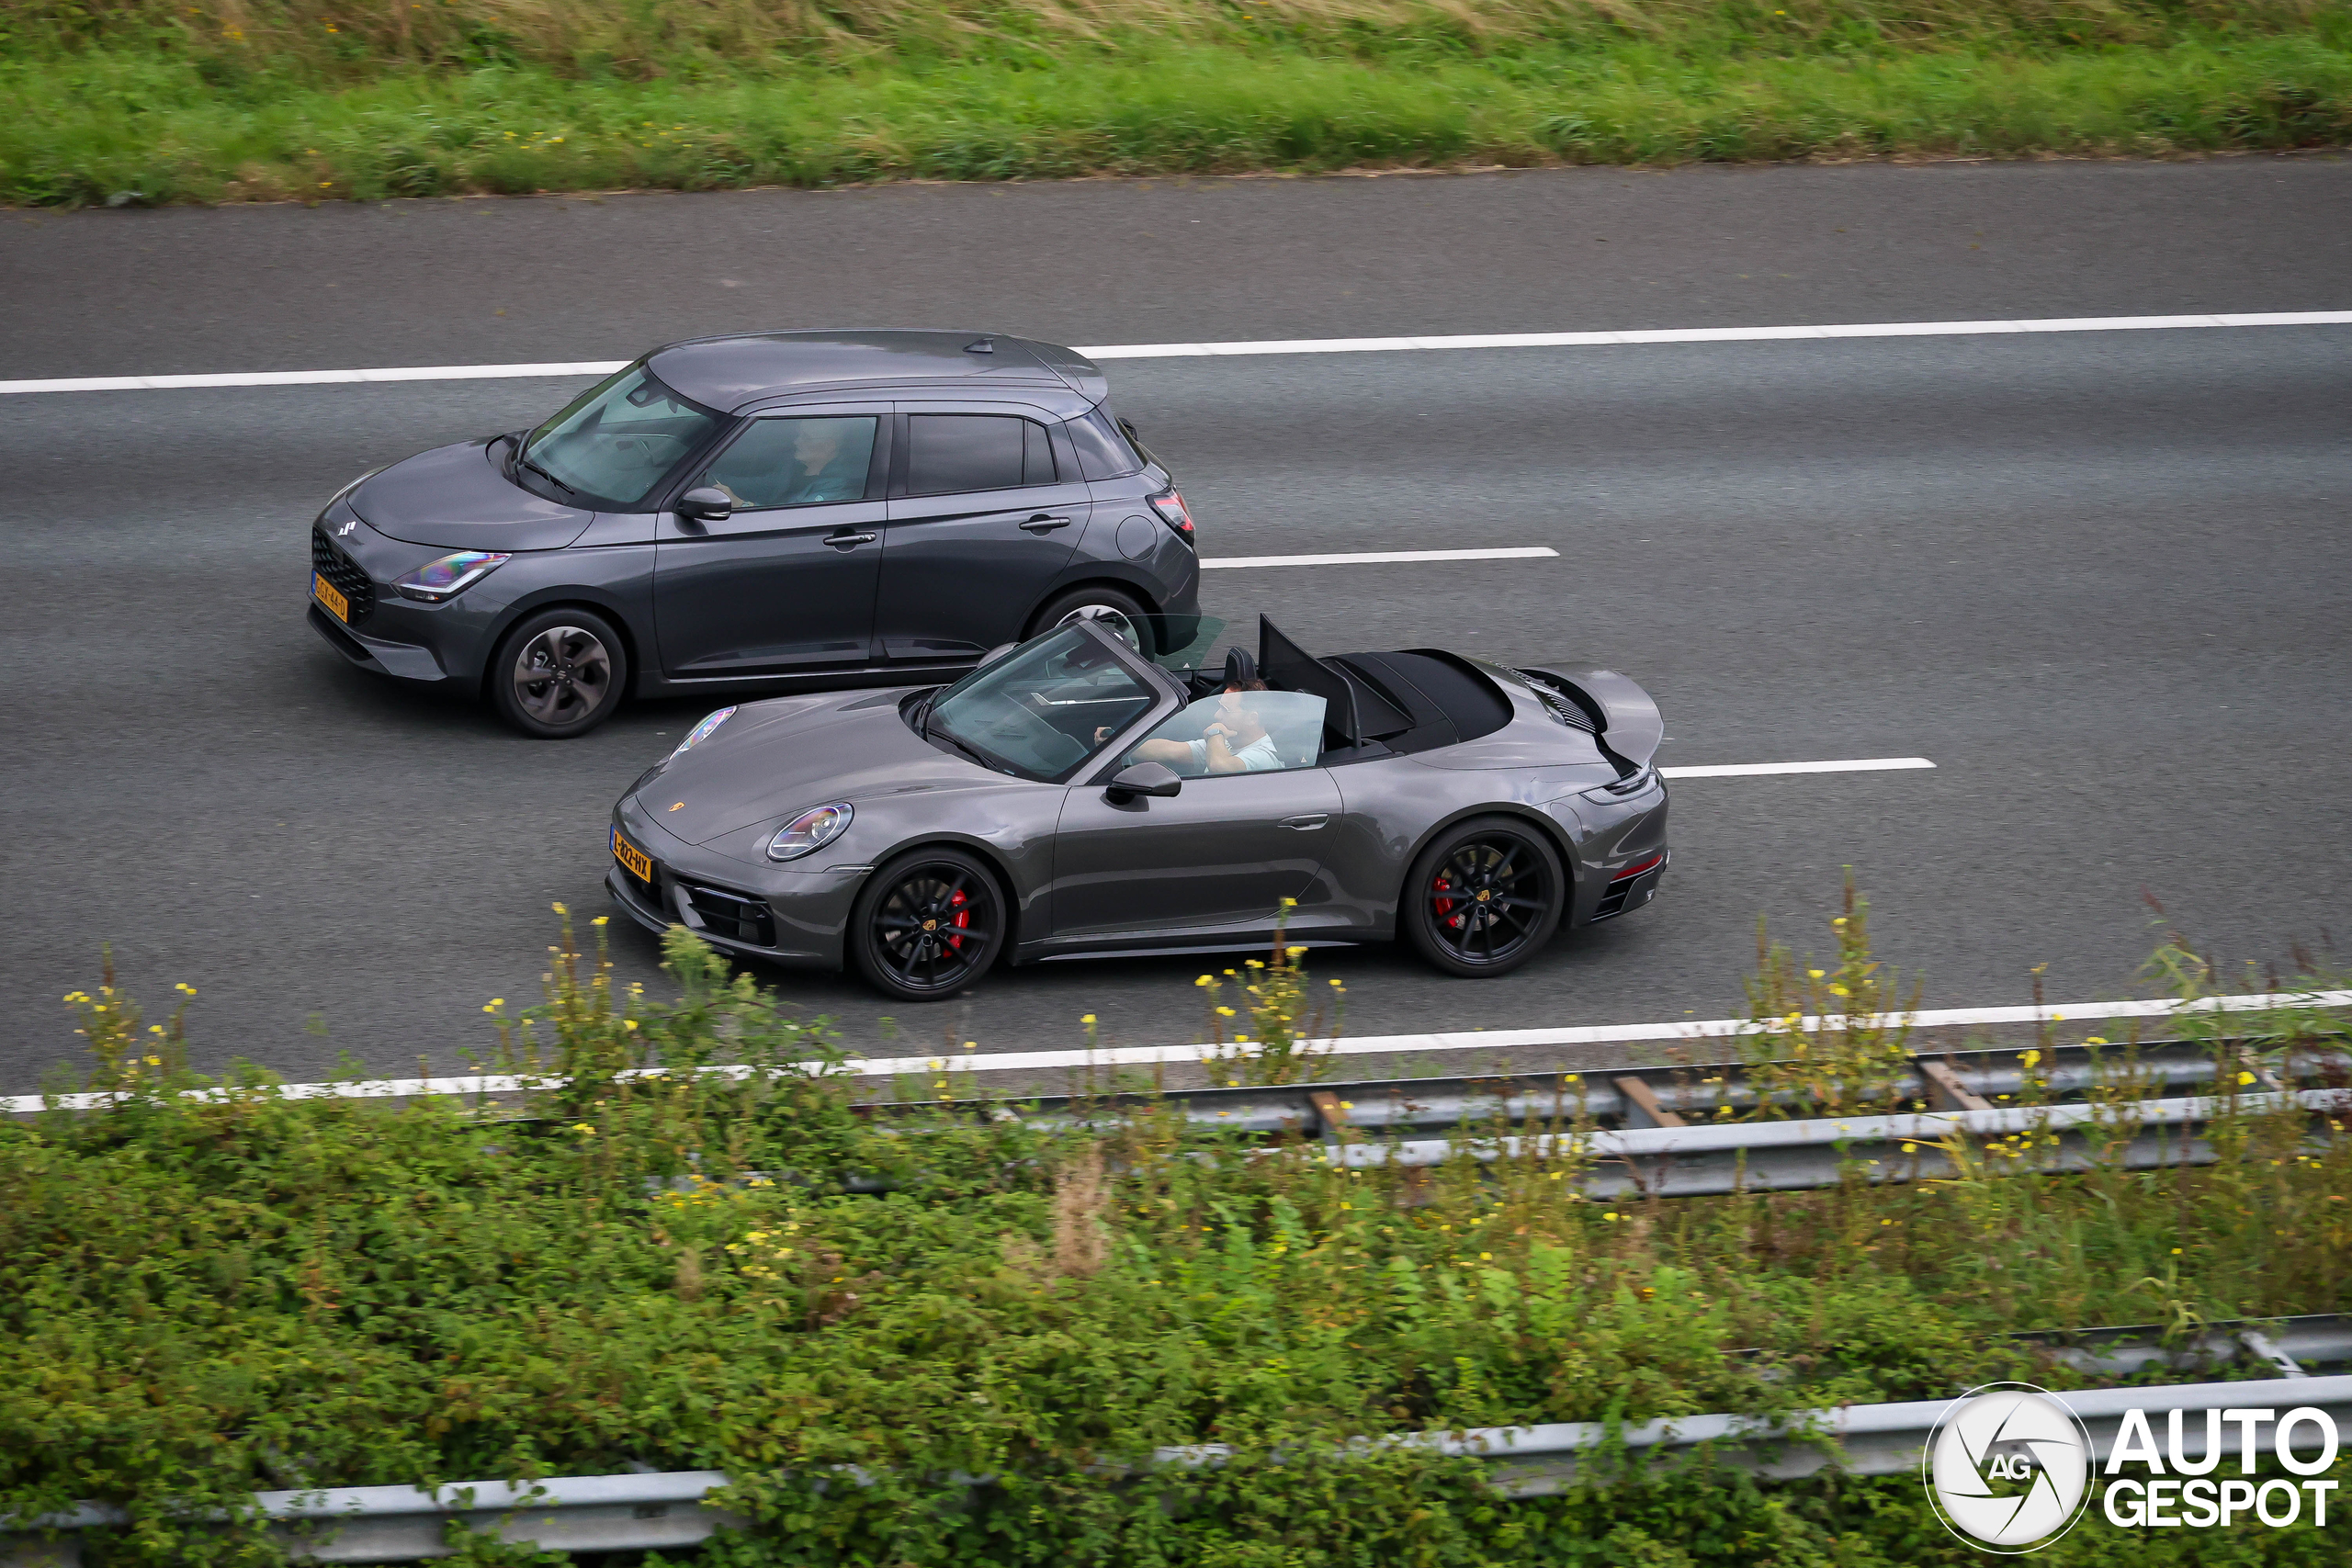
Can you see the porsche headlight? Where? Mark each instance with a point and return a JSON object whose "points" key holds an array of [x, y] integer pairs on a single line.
{"points": [[812, 829], [451, 575], [701, 732]]}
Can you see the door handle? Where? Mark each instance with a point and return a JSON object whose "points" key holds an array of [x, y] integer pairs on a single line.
{"points": [[849, 541], [1041, 524], [1308, 823]]}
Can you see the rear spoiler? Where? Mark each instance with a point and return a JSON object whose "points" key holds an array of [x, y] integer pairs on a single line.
{"points": [[1623, 716]]}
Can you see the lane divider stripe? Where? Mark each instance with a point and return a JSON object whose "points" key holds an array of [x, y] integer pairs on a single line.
{"points": [[1355, 1045], [1717, 334], [1272, 346], [1759, 770], [1381, 557]]}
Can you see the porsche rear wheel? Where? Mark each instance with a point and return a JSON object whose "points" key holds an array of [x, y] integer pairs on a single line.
{"points": [[927, 925], [1485, 898]]}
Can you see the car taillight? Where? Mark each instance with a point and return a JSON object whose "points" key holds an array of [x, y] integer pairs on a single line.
{"points": [[1171, 507]]}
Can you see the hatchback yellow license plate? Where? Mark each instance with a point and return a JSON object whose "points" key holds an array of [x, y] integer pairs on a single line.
{"points": [[636, 862], [327, 594]]}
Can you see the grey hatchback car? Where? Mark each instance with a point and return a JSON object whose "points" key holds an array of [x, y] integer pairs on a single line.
{"points": [[781, 511]]}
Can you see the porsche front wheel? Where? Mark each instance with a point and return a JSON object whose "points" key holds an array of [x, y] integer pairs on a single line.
{"points": [[1483, 898], [927, 925]]}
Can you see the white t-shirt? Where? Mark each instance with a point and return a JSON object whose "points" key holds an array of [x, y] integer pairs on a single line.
{"points": [[1257, 757]]}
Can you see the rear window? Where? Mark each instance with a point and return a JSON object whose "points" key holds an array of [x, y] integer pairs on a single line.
{"points": [[1104, 450]]}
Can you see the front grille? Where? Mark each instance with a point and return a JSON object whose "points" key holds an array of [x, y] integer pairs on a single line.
{"points": [[732, 914], [1614, 898], [344, 574]]}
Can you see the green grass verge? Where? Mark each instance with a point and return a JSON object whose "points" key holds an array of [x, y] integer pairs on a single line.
{"points": [[110, 123], [203, 1297]]}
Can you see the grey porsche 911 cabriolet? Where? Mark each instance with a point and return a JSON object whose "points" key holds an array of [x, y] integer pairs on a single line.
{"points": [[1072, 797]]}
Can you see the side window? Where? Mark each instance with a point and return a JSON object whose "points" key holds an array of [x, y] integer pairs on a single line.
{"points": [[797, 462], [1238, 732], [1103, 449], [947, 453]]}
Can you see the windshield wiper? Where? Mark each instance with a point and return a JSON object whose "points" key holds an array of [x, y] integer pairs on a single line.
{"points": [[523, 460], [974, 752]]}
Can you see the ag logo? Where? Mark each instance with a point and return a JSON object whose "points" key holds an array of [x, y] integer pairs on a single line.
{"points": [[2008, 1468]]}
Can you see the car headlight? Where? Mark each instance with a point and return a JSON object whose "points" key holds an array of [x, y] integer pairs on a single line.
{"points": [[812, 829], [451, 575], [701, 732]]}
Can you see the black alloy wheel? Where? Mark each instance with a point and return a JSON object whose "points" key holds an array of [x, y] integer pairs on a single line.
{"points": [[1485, 898], [1117, 612], [559, 674], [928, 925]]}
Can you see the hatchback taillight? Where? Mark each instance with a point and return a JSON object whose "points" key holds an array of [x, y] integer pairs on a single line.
{"points": [[1171, 507]]}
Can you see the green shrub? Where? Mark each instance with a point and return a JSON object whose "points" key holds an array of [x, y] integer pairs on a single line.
{"points": [[207, 1294]]}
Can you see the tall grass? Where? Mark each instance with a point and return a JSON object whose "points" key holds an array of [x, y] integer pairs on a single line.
{"points": [[310, 99]]}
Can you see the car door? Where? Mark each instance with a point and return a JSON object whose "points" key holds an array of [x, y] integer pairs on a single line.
{"points": [[785, 583], [1222, 853], [982, 518]]}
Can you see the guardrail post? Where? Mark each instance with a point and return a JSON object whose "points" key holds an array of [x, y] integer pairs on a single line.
{"points": [[1642, 1108]]}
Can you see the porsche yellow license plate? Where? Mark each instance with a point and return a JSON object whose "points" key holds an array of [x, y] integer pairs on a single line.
{"points": [[636, 862], [332, 597]]}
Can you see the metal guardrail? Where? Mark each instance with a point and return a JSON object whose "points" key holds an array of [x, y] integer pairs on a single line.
{"points": [[1754, 1156], [1618, 1098], [621, 1513], [2291, 1346]]}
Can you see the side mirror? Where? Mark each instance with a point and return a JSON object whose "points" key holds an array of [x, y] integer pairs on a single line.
{"points": [[1143, 778], [707, 503]]}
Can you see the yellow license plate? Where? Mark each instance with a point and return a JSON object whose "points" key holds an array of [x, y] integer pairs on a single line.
{"points": [[635, 861], [328, 595]]}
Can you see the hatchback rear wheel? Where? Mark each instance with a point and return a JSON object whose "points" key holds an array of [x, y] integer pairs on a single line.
{"points": [[1116, 612], [927, 925], [1485, 898]]}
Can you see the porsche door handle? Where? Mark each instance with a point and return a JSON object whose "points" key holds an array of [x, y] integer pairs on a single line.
{"points": [[1041, 524], [1308, 823], [850, 541]]}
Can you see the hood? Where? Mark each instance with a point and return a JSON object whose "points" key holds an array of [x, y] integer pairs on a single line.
{"points": [[458, 498], [789, 753]]}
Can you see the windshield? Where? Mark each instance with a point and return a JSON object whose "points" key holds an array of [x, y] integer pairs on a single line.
{"points": [[618, 440], [1044, 710]]}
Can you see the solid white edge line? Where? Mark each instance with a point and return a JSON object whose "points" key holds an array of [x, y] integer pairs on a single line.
{"points": [[1355, 1045], [1754, 770], [1273, 345], [1378, 557]]}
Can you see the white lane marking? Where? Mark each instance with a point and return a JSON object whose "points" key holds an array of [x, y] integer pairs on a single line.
{"points": [[1382, 558], [1755, 770], [1346, 1045], [312, 377], [1714, 335], [1274, 345]]}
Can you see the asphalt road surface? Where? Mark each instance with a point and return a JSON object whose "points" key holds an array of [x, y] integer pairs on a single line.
{"points": [[2101, 579]]}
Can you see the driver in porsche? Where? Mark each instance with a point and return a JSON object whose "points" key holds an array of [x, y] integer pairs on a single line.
{"points": [[1234, 740]]}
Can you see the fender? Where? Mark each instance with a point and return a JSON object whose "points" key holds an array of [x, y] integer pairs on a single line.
{"points": [[1624, 716]]}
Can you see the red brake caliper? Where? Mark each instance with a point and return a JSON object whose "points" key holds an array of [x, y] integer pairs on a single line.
{"points": [[963, 918], [1444, 884]]}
